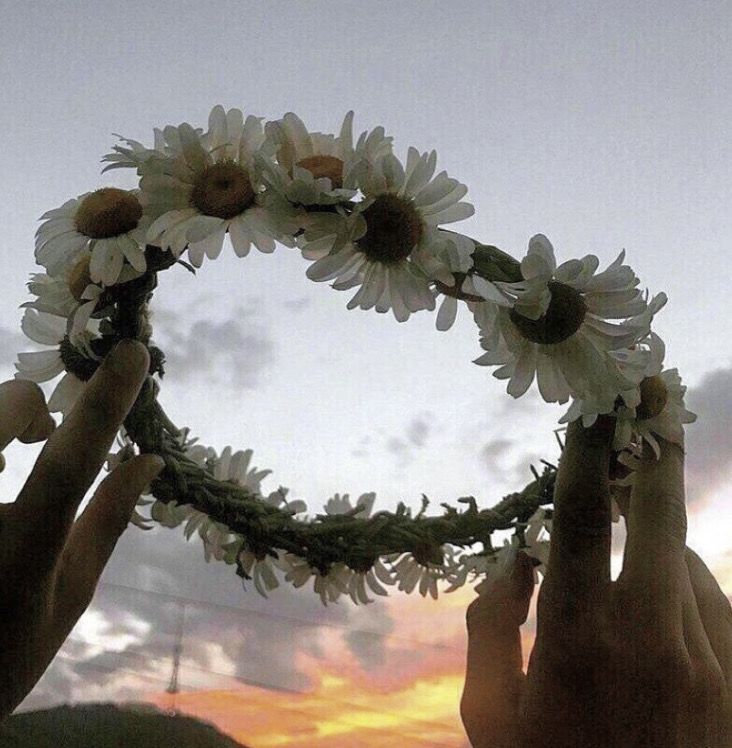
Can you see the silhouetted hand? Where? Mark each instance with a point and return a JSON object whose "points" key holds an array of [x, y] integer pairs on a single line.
{"points": [[644, 661], [49, 563]]}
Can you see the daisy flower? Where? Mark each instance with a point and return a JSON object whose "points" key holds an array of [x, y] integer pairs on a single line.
{"points": [[134, 154], [230, 465], [422, 570], [493, 565], [355, 582], [656, 407], [211, 187], [318, 169], [260, 570], [340, 578], [42, 366], [341, 504], [457, 256], [73, 297], [108, 225], [53, 295], [390, 244], [328, 586], [554, 325]]}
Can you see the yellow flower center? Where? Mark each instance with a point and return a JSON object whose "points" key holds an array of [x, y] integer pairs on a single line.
{"points": [[562, 319], [654, 396], [80, 278], [223, 190], [324, 166], [108, 212], [393, 229]]}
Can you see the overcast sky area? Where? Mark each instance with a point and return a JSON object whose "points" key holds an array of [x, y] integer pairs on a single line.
{"points": [[604, 125]]}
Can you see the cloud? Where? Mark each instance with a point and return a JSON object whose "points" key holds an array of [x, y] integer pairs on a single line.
{"points": [[494, 452], [156, 582], [709, 440], [238, 347], [419, 429], [416, 436], [297, 305], [369, 646]]}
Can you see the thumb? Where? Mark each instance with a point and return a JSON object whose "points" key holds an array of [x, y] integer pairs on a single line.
{"points": [[494, 678]]}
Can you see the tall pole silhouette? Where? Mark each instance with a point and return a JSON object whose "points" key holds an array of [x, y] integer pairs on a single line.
{"points": [[172, 688]]}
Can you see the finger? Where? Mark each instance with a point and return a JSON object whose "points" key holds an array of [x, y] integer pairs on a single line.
{"points": [[653, 564], [579, 555], [707, 679], [95, 534], [715, 612], [494, 676], [74, 454], [23, 413]]}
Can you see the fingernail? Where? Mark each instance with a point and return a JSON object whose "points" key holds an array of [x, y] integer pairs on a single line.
{"points": [[127, 356], [41, 428]]}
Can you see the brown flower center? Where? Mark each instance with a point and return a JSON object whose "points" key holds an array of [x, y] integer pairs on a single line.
{"points": [[654, 396], [80, 278], [222, 190], [562, 319], [324, 166], [393, 229], [427, 553], [108, 212]]}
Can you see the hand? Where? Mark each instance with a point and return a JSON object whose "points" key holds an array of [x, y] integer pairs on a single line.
{"points": [[49, 563], [642, 661]]}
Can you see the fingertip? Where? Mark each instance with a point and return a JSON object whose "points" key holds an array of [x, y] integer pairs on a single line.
{"points": [[136, 473], [149, 466], [40, 428], [128, 359]]}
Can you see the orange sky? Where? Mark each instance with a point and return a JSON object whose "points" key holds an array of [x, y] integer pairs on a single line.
{"points": [[410, 699], [413, 697]]}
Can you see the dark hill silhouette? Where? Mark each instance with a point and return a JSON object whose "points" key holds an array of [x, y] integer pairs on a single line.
{"points": [[109, 726]]}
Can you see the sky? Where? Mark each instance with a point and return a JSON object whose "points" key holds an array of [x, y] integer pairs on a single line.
{"points": [[603, 125]]}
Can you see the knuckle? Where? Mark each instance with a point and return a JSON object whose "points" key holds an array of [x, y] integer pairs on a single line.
{"points": [[113, 518], [707, 679], [585, 654], [672, 520], [73, 593], [485, 614], [62, 477], [96, 411], [669, 666]]}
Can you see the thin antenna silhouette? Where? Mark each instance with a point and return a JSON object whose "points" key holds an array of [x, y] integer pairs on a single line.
{"points": [[173, 688]]}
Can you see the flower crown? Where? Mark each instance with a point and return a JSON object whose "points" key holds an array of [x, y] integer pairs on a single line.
{"points": [[364, 221]]}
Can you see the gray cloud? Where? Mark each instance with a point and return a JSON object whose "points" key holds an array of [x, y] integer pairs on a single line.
{"points": [[508, 466], [416, 436], [494, 452], [255, 640], [418, 430], [238, 348], [709, 440], [297, 305], [368, 646]]}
